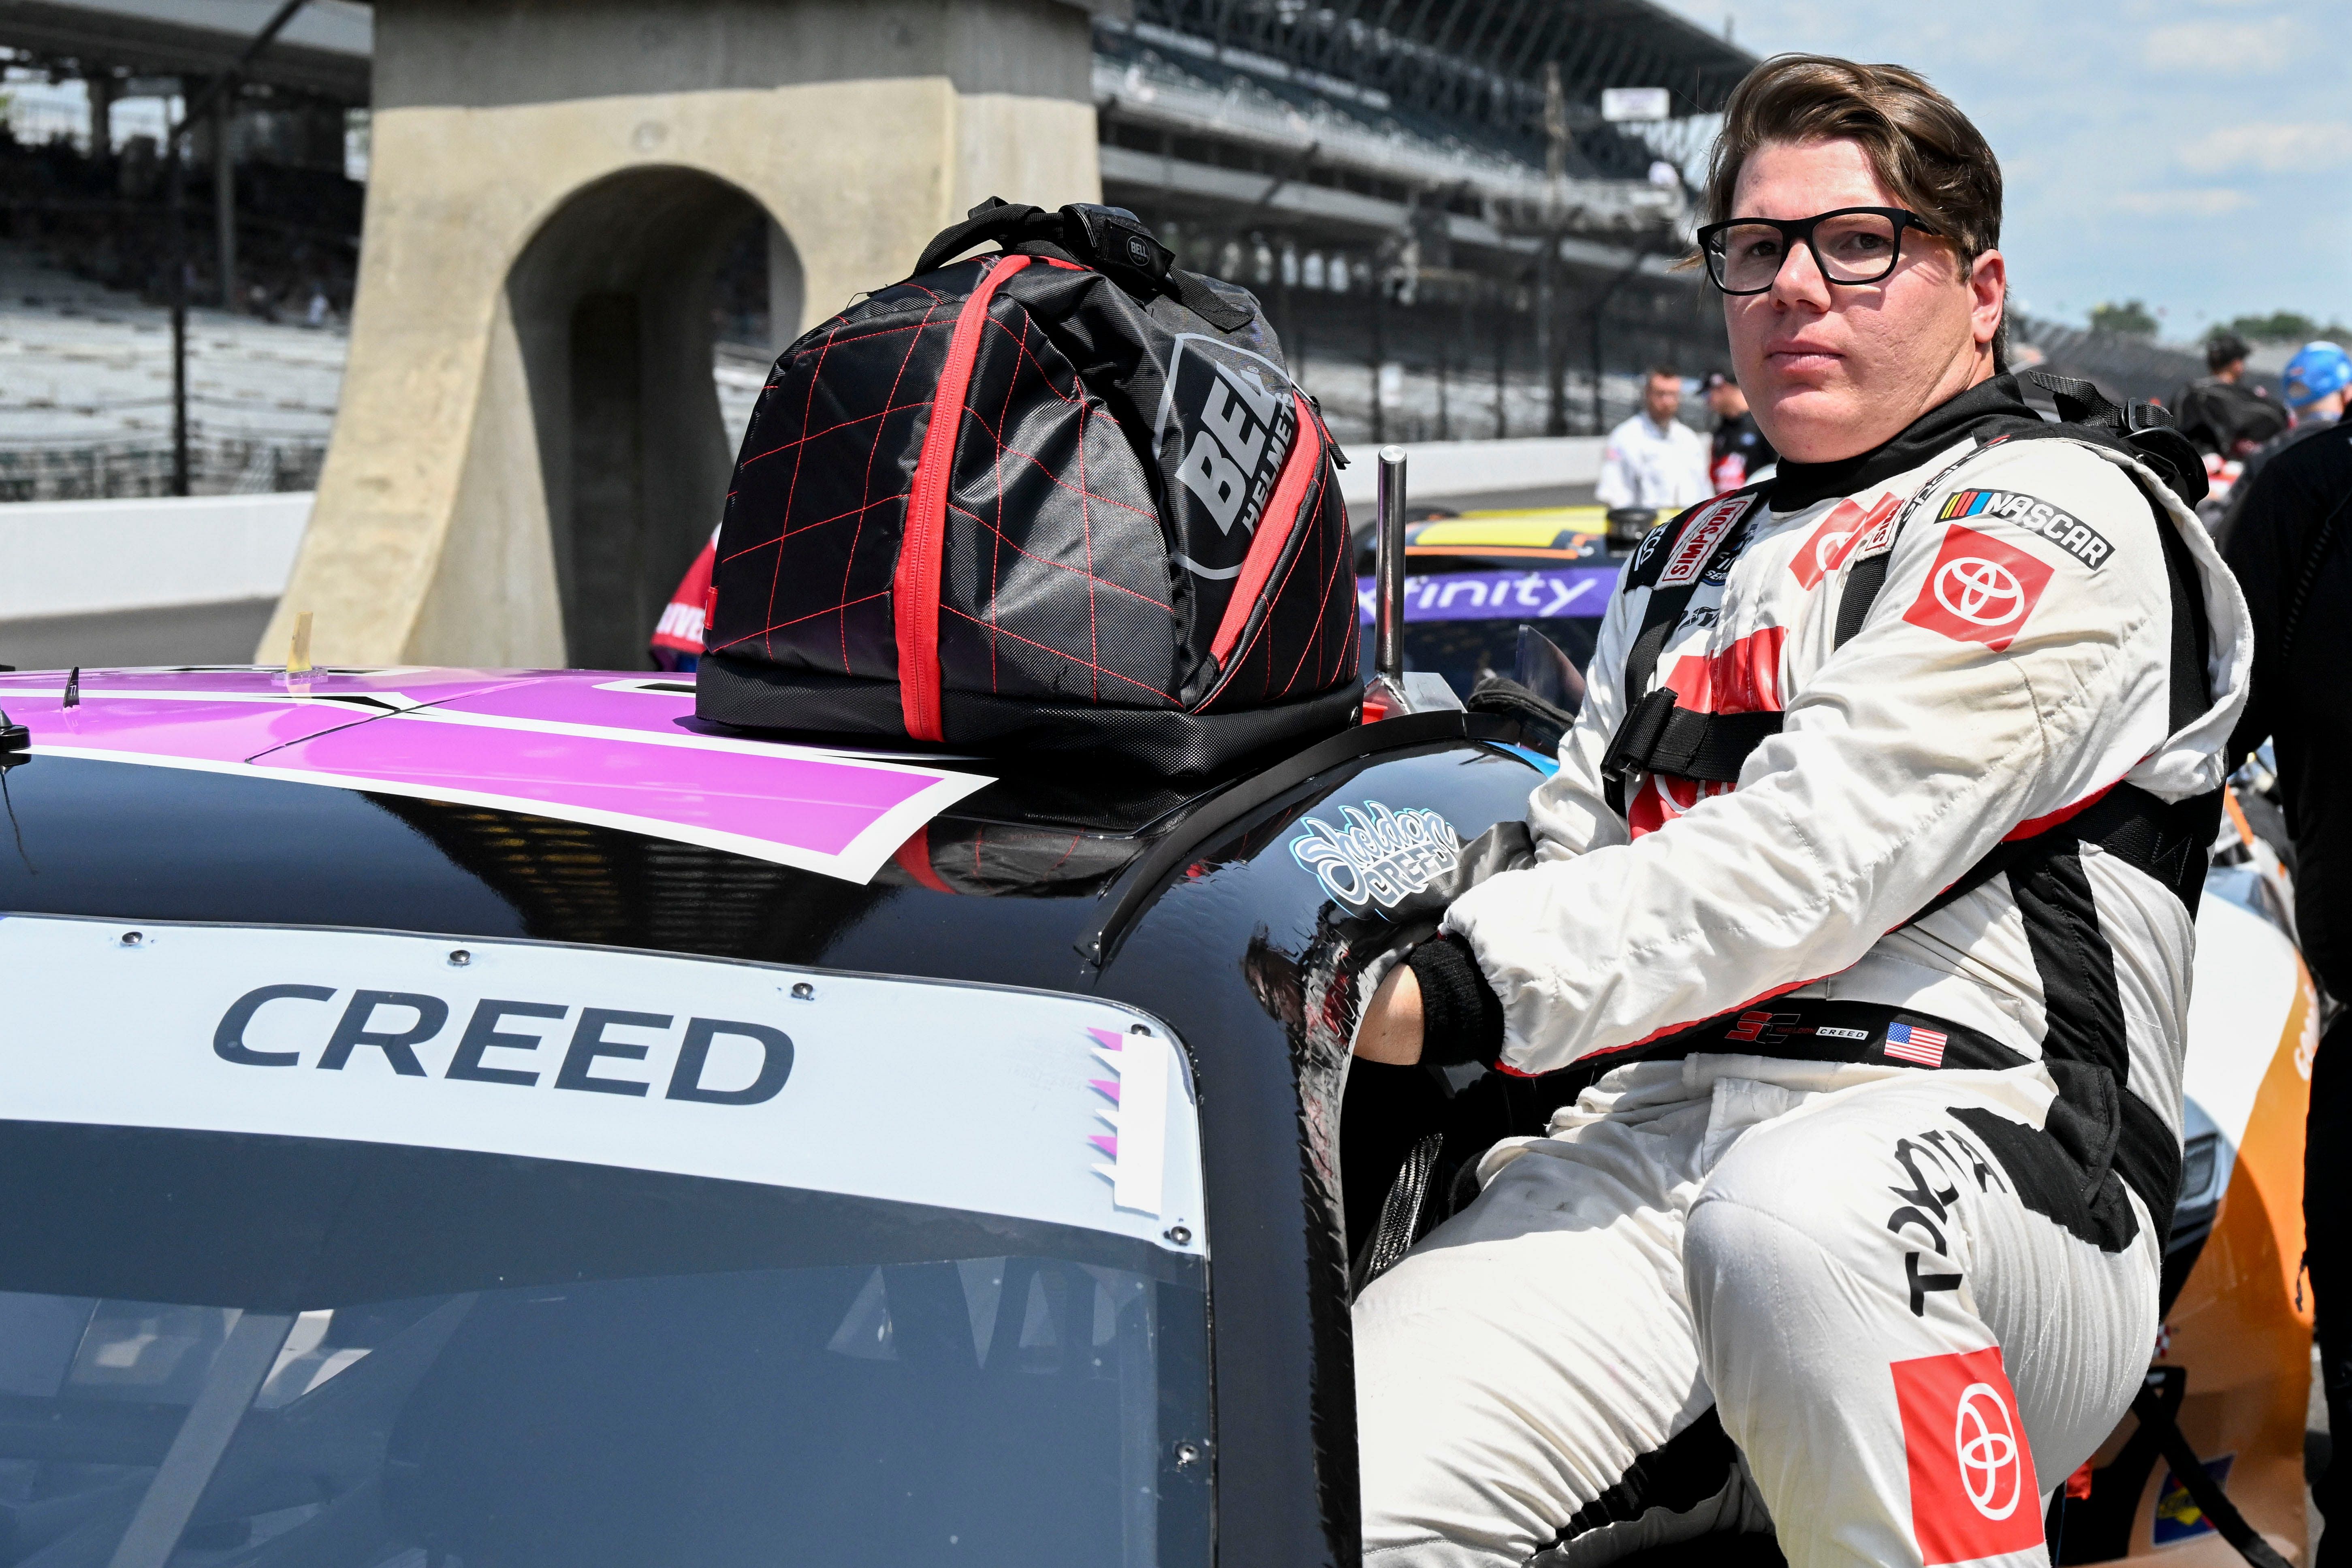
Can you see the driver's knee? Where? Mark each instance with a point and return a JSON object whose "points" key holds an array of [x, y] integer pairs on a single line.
{"points": [[1791, 1265], [1795, 1205]]}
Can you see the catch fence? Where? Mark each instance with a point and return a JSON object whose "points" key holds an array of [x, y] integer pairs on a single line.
{"points": [[106, 470]]}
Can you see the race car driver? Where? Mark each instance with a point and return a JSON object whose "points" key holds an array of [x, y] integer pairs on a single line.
{"points": [[1870, 859]]}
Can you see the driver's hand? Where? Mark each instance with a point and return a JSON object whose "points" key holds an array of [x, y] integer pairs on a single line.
{"points": [[1392, 1026]]}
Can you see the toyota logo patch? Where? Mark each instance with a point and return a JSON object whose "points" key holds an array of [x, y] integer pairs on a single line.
{"points": [[1980, 589], [1982, 592], [1973, 1490], [1984, 1440]]}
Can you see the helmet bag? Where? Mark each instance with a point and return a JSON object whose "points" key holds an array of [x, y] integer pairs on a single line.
{"points": [[1062, 498]]}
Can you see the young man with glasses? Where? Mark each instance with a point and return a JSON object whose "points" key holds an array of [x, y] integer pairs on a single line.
{"points": [[1866, 883]]}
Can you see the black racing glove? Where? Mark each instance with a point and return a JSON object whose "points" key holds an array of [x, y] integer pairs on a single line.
{"points": [[1461, 1016]]}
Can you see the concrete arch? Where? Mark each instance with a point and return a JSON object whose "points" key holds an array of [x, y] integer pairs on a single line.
{"points": [[549, 180], [611, 303]]}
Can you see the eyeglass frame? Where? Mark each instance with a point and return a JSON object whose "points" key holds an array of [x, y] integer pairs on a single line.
{"points": [[1800, 230]]}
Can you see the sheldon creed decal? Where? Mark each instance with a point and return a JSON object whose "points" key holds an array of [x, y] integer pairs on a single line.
{"points": [[493, 1046], [1376, 856]]}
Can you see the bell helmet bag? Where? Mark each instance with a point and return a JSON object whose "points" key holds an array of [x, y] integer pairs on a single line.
{"points": [[1062, 498]]}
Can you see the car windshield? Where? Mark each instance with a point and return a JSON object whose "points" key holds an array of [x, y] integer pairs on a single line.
{"points": [[333, 1249], [311, 1353]]}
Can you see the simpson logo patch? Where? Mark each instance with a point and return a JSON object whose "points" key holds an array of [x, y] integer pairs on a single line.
{"points": [[1979, 590], [2062, 529], [1973, 1491], [1698, 539]]}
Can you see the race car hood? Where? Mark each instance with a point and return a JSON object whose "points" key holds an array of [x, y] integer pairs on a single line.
{"points": [[619, 751]]}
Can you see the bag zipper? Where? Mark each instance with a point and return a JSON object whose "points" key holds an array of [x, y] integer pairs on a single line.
{"points": [[923, 549]]}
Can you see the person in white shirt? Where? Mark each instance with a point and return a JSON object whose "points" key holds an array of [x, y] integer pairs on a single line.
{"points": [[1653, 460]]}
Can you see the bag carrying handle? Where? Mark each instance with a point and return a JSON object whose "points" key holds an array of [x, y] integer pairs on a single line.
{"points": [[994, 219], [1110, 239]]}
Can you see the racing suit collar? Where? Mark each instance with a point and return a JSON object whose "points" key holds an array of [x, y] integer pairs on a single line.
{"points": [[1799, 485]]}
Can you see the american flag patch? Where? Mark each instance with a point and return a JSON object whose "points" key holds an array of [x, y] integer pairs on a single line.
{"points": [[1924, 1046]]}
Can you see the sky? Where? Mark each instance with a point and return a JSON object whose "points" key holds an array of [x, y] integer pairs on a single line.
{"points": [[2195, 155]]}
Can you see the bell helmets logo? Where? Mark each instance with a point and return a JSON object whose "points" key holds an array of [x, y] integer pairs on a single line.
{"points": [[1973, 1489], [1227, 420], [1979, 590]]}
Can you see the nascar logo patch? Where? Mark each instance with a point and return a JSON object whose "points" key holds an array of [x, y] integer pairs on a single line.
{"points": [[2062, 529]]}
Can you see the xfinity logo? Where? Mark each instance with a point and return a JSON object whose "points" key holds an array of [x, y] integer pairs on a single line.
{"points": [[499, 1041]]}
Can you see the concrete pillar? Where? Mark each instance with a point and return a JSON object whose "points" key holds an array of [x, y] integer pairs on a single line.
{"points": [[529, 450], [225, 197], [102, 87]]}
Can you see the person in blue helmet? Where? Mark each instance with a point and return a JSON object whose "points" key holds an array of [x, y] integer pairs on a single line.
{"points": [[2317, 384]]}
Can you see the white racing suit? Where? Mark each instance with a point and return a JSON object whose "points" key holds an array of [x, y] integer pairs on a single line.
{"points": [[1861, 1243]]}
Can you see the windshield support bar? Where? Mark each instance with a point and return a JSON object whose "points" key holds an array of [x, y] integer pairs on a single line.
{"points": [[245, 1360]]}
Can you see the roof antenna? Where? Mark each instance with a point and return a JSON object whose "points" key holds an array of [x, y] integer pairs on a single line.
{"points": [[1394, 690], [73, 689]]}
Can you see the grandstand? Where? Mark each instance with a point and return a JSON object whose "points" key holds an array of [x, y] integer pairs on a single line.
{"points": [[1456, 225], [1452, 232], [1453, 235]]}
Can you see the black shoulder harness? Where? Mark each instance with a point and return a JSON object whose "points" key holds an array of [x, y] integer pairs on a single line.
{"points": [[1655, 736]]}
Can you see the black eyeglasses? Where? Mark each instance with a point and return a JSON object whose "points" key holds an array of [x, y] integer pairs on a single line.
{"points": [[1850, 245]]}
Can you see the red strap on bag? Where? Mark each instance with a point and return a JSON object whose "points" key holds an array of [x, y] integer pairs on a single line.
{"points": [[1273, 530], [915, 586]]}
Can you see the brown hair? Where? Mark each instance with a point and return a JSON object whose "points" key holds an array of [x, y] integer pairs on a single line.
{"points": [[1920, 145]]}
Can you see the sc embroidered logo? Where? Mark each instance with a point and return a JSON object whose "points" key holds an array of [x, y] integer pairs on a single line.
{"points": [[1837, 536], [1973, 1489], [1979, 590]]}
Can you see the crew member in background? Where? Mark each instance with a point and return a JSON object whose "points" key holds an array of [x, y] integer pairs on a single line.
{"points": [[2288, 545], [2316, 384], [2222, 415], [1741, 453], [1654, 459], [677, 636]]}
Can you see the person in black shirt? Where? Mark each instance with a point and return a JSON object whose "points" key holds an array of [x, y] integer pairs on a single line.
{"points": [[2290, 543], [1740, 452], [2220, 415]]}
